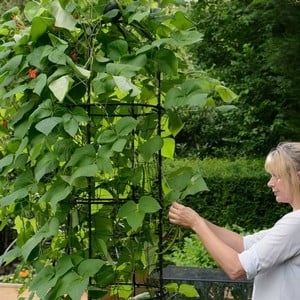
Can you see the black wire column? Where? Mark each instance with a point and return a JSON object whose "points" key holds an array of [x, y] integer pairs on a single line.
{"points": [[93, 194], [160, 193]]}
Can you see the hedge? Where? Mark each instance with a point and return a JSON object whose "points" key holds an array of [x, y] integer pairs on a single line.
{"points": [[238, 192]]}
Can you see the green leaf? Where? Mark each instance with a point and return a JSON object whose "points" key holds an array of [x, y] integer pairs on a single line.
{"points": [[21, 130], [107, 136], [79, 71], [188, 290], [225, 108], [57, 56], [61, 86], [63, 19], [196, 185], [134, 216], [104, 163], [43, 111], [11, 255], [145, 48], [79, 285], [47, 125], [138, 16], [47, 164], [18, 89], [167, 61], [180, 178], [57, 192], [125, 126], [134, 213], [125, 85], [80, 114], [84, 171], [186, 38], [172, 287], [181, 22], [175, 124], [70, 124], [127, 208], [119, 145], [43, 281], [136, 60], [148, 204], [90, 267], [82, 156], [12, 197], [40, 26], [70, 284], [226, 94], [61, 71], [12, 65], [150, 147], [37, 56], [190, 93], [63, 266], [24, 180], [38, 84], [168, 148], [31, 10], [58, 42], [48, 230], [125, 70], [117, 49], [13, 145], [6, 161]]}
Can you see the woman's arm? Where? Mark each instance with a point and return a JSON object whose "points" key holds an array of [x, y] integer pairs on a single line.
{"points": [[231, 238], [222, 244]]}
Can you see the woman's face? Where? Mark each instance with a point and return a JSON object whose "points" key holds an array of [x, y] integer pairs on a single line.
{"points": [[281, 190]]}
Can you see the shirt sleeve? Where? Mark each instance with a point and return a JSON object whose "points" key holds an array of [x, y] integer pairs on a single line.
{"points": [[252, 239], [271, 247]]}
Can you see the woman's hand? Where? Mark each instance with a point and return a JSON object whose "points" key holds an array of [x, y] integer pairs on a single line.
{"points": [[183, 215]]}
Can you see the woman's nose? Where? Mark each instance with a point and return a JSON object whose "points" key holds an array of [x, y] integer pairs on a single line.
{"points": [[273, 180], [269, 184]]}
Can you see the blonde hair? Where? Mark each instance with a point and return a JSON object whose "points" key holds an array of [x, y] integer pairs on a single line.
{"points": [[284, 163]]}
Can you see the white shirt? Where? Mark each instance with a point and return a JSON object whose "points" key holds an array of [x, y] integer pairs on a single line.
{"points": [[272, 258]]}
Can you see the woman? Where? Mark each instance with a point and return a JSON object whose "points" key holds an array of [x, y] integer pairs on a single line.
{"points": [[272, 256]]}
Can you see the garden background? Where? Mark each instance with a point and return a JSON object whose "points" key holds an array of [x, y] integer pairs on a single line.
{"points": [[246, 56]]}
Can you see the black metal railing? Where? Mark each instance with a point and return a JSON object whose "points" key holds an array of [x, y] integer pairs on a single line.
{"points": [[210, 283]]}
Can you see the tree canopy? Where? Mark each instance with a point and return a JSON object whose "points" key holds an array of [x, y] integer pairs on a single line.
{"points": [[254, 47]]}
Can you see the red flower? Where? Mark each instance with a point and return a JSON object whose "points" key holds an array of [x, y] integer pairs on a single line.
{"points": [[74, 56], [32, 73]]}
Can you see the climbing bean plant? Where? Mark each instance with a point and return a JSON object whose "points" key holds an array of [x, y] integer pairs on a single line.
{"points": [[90, 93]]}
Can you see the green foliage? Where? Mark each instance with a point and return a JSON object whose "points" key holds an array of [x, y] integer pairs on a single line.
{"points": [[187, 290], [90, 93], [253, 46], [190, 253]]}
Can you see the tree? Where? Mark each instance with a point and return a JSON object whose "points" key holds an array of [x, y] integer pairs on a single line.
{"points": [[89, 98], [253, 46]]}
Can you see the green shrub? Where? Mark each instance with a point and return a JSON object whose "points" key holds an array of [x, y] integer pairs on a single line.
{"points": [[191, 252]]}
